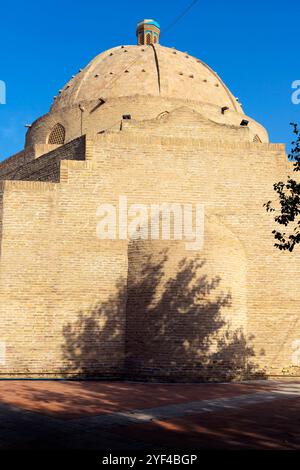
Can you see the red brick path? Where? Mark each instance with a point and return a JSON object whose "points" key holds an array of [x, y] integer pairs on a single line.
{"points": [[69, 399], [105, 415]]}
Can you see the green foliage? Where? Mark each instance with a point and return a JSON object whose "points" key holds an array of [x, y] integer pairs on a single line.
{"points": [[288, 195]]}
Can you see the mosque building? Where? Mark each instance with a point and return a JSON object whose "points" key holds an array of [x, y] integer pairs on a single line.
{"points": [[152, 125]]}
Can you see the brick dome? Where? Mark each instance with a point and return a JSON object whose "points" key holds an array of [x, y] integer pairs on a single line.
{"points": [[143, 82], [147, 71]]}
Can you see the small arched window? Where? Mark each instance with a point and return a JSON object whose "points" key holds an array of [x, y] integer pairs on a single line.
{"points": [[57, 135], [256, 139], [148, 38], [162, 115]]}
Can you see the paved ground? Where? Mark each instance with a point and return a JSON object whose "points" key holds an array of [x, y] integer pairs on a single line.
{"points": [[144, 417]]}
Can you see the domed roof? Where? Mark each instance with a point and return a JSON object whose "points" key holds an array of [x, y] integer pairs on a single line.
{"points": [[146, 70], [148, 22]]}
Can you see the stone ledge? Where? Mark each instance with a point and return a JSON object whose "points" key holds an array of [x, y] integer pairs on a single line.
{"points": [[19, 185], [119, 138]]}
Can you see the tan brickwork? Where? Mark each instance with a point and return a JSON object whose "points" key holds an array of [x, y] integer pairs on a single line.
{"points": [[72, 304]]}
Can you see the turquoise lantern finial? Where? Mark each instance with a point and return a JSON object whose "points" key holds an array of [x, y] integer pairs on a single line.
{"points": [[148, 32]]}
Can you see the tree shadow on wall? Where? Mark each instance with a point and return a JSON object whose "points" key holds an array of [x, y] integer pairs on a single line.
{"points": [[176, 327], [173, 327]]}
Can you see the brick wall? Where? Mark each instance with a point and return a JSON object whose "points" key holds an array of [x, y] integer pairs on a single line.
{"points": [[15, 161], [97, 118], [64, 291], [186, 123], [47, 166]]}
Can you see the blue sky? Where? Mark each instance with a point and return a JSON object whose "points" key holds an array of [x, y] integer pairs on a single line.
{"points": [[252, 45]]}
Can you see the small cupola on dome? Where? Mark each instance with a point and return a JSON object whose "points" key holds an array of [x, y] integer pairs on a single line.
{"points": [[148, 32]]}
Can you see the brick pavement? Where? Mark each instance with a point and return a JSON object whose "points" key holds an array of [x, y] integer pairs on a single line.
{"points": [[138, 416]]}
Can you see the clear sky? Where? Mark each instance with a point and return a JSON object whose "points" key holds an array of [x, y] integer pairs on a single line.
{"points": [[253, 45]]}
